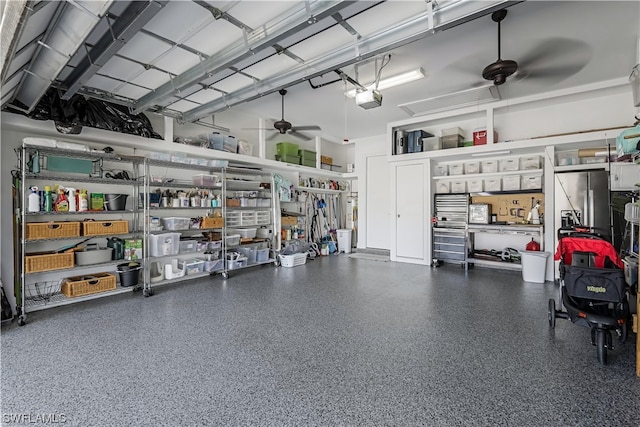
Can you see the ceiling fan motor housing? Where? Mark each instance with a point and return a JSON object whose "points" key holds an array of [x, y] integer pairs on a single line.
{"points": [[499, 71]]}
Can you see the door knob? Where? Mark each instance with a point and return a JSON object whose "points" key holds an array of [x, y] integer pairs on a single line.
{"points": [[398, 215]]}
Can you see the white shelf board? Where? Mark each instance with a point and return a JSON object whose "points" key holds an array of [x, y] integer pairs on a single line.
{"points": [[320, 190], [495, 264], [488, 175], [576, 168]]}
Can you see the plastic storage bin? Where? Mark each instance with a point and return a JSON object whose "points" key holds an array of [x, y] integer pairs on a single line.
{"points": [[175, 223], [188, 246], [530, 162], [233, 240], [443, 187], [293, 260], [214, 265], [262, 255], [458, 186], [204, 179], [245, 233], [287, 148], [193, 266], [475, 186], [249, 252], [493, 184], [534, 266], [164, 244]]}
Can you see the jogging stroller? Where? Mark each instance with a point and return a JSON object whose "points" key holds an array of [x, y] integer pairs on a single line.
{"points": [[592, 287]]}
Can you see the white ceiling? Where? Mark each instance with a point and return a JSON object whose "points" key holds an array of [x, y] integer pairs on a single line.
{"points": [[578, 42]]}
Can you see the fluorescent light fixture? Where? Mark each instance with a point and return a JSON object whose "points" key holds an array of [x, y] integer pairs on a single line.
{"points": [[490, 153], [392, 81]]}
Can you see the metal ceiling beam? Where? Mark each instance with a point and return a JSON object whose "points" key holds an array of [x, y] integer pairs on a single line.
{"points": [[408, 31], [18, 20], [59, 46], [258, 40], [134, 17]]}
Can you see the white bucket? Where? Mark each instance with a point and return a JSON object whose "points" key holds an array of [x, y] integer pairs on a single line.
{"points": [[534, 266], [344, 241]]}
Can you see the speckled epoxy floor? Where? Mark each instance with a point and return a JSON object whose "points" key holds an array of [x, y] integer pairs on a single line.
{"points": [[337, 342]]}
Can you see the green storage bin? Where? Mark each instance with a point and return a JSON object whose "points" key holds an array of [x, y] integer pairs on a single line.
{"points": [[307, 155], [287, 148], [288, 158], [67, 164], [309, 162]]}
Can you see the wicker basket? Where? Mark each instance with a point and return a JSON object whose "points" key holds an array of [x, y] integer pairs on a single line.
{"points": [[91, 284], [45, 261], [52, 230], [98, 228], [212, 223]]}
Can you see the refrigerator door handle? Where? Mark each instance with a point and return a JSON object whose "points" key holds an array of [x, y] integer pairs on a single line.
{"points": [[586, 213], [592, 209]]}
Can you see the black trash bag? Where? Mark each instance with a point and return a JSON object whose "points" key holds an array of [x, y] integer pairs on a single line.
{"points": [[71, 115]]}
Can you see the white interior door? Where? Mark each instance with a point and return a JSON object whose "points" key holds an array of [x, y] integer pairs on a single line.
{"points": [[378, 206], [410, 216]]}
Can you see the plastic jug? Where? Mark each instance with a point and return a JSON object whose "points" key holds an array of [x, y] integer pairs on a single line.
{"points": [[533, 245], [118, 247]]}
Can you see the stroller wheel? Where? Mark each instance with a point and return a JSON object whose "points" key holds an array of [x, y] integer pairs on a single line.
{"points": [[551, 314], [624, 333], [601, 345]]}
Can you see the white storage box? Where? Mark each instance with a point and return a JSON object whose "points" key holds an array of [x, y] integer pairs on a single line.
{"points": [[531, 182], [263, 203], [493, 184], [188, 246], [530, 162], [458, 186], [245, 233], [248, 218], [263, 218], [475, 186], [489, 166], [293, 260], [264, 233], [456, 168], [442, 187], [511, 183], [440, 170], [204, 179], [164, 244], [472, 167], [508, 165], [175, 223]]}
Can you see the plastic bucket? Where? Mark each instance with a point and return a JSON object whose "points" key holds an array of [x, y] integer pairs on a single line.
{"points": [[344, 241], [129, 273], [534, 266]]}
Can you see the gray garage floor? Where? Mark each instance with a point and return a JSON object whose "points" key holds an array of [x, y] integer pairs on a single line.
{"points": [[340, 341]]}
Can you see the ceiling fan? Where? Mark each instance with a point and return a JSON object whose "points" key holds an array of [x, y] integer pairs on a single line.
{"points": [[284, 127], [554, 59]]}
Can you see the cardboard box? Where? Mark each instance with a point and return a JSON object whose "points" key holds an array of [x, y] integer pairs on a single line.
{"points": [[480, 136]]}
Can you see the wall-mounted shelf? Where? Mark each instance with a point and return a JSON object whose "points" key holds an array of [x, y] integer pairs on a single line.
{"points": [[585, 167], [488, 175]]}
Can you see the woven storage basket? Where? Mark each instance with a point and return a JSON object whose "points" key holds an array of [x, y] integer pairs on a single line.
{"points": [[98, 228], [51, 230], [90, 284], [45, 261], [212, 223]]}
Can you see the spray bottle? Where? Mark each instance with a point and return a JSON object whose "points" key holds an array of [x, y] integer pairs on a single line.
{"points": [[62, 203], [48, 199], [83, 203], [72, 200], [34, 200]]}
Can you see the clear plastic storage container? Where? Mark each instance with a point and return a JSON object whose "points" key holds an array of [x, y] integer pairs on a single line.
{"points": [[164, 244]]}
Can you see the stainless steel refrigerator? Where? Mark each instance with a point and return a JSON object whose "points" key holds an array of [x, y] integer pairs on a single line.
{"points": [[582, 198]]}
